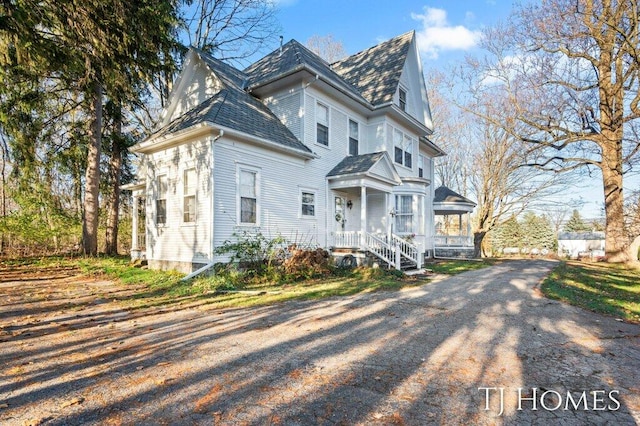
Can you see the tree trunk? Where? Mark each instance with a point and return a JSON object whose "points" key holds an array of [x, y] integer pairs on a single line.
{"points": [[113, 203], [616, 239], [478, 237], [92, 177], [632, 252]]}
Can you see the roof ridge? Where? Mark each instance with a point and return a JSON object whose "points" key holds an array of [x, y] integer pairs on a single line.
{"points": [[375, 46]]}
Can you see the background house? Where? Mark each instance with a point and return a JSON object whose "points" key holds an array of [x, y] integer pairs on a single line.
{"points": [[581, 244]]}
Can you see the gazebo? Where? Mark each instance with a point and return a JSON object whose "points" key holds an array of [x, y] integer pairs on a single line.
{"points": [[452, 212]]}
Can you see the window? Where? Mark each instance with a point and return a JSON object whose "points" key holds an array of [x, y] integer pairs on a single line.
{"points": [[402, 149], [248, 195], [402, 99], [161, 200], [404, 214], [397, 142], [353, 138], [322, 125], [189, 194], [308, 202], [408, 150], [422, 163]]}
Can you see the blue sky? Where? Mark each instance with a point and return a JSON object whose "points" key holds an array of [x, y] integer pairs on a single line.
{"points": [[446, 31]]}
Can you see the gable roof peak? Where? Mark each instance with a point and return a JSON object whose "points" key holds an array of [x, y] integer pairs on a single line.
{"points": [[375, 72]]}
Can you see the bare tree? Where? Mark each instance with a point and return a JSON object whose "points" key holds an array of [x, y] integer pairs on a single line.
{"points": [[571, 69], [502, 186], [483, 162], [328, 48], [230, 29], [452, 133]]}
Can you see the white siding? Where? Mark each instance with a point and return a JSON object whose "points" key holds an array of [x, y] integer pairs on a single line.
{"points": [[281, 178], [288, 108], [176, 240], [197, 84]]}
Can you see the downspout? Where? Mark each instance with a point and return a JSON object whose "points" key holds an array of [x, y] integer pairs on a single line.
{"points": [[212, 206]]}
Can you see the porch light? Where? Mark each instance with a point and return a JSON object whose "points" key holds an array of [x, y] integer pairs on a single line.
{"points": [[349, 204]]}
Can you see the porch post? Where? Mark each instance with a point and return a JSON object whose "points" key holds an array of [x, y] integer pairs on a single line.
{"points": [[459, 223], [363, 209], [468, 226], [387, 209], [135, 250]]}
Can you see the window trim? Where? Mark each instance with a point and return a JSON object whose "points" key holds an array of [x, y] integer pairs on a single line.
{"points": [[399, 214], [158, 199], [405, 143], [194, 195], [326, 126], [402, 100], [314, 192], [257, 171], [349, 138]]}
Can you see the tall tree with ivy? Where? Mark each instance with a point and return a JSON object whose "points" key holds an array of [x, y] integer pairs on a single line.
{"points": [[91, 49]]}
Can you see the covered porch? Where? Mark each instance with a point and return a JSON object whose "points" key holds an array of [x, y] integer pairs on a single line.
{"points": [[362, 207], [138, 221], [452, 214]]}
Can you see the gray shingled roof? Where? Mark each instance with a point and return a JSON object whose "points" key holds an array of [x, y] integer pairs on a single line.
{"points": [[234, 108], [376, 71], [581, 236], [224, 71], [294, 56], [355, 164], [446, 195]]}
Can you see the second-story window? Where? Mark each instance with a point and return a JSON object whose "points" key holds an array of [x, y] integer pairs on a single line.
{"points": [[322, 125], [402, 99], [402, 149], [408, 151], [353, 138]]}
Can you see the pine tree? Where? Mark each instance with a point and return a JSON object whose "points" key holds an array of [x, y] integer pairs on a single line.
{"points": [[576, 224]]}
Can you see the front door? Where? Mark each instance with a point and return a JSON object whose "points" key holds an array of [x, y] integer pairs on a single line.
{"points": [[339, 213]]}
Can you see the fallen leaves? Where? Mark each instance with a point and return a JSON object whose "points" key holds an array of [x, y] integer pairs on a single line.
{"points": [[73, 401]]}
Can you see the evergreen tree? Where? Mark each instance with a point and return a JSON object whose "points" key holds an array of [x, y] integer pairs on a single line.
{"points": [[576, 224], [537, 232]]}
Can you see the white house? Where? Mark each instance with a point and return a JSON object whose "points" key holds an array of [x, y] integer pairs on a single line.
{"points": [[337, 155], [577, 244]]}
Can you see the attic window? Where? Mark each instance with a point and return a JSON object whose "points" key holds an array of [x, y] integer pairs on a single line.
{"points": [[402, 99]]}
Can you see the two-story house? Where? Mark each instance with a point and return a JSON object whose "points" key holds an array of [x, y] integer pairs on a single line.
{"points": [[336, 155]]}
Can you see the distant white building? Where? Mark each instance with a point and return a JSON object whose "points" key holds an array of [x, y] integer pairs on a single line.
{"points": [[577, 244]]}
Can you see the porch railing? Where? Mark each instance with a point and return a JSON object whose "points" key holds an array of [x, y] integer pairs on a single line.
{"points": [[453, 241], [142, 241], [407, 249], [347, 239], [389, 251]]}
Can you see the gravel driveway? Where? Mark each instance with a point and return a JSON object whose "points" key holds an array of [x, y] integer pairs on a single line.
{"points": [[442, 353]]}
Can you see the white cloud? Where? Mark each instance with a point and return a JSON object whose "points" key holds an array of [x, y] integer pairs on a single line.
{"points": [[438, 35]]}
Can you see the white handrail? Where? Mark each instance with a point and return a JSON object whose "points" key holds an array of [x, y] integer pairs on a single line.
{"points": [[378, 247], [407, 249]]}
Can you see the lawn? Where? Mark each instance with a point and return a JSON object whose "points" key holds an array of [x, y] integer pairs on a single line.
{"points": [[453, 267], [158, 288], [599, 287]]}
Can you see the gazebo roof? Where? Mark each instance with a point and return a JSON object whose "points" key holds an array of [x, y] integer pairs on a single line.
{"points": [[447, 201]]}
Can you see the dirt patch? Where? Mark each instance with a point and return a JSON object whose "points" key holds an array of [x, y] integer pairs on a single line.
{"points": [[72, 351]]}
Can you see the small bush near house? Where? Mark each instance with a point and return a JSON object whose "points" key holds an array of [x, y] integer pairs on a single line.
{"points": [[255, 259]]}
